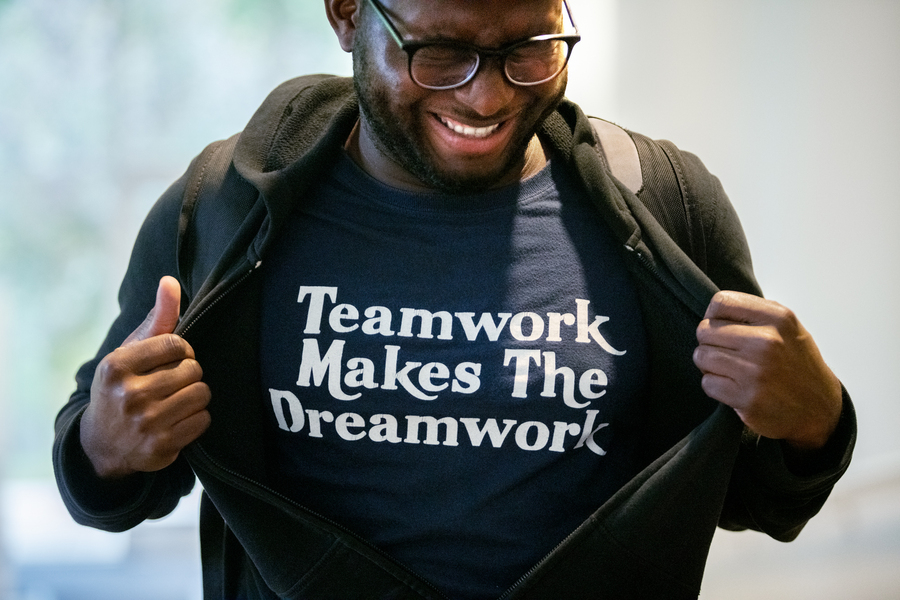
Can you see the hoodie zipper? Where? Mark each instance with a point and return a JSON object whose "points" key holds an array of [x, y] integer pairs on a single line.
{"points": [[650, 265], [234, 478], [683, 295], [246, 275], [537, 566]]}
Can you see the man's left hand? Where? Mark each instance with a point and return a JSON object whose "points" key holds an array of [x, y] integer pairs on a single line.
{"points": [[757, 358]]}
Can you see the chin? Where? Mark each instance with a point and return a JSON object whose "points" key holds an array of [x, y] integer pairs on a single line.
{"points": [[464, 181]]}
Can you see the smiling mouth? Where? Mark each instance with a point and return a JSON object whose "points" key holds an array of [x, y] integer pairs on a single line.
{"points": [[468, 131]]}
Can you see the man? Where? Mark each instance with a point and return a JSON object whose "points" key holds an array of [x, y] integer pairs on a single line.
{"points": [[418, 343]]}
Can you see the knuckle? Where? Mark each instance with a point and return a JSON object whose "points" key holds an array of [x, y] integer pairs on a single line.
{"points": [[148, 421], [198, 398], [157, 452], [703, 327], [786, 315], [785, 319], [767, 342], [720, 297], [701, 355], [110, 367], [160, 442], [755, 376], [133, 395], [193, 370], [726, 298], [203, 393], [769, 339], [172, 344], [142, 427]]}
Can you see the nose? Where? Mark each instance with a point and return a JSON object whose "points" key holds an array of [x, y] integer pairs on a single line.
{"points": [[489, 92]]}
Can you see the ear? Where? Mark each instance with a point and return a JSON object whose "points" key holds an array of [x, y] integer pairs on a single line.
{"points": [[343, 15]]}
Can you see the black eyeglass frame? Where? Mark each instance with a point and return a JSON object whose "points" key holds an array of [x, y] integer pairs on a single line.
{"points": [[412, 47]]}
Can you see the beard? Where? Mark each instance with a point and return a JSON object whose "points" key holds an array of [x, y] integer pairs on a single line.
{"points": [[397, 135]]}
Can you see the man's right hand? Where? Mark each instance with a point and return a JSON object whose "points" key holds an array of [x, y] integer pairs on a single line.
{"points": [[147, 399]]}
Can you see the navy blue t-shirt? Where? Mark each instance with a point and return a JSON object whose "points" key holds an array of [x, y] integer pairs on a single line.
{"points": [[457, 379]]}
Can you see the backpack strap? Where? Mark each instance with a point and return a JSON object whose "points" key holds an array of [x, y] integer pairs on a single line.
{"points": [[620, 152], [653, 171], [215, 204]]}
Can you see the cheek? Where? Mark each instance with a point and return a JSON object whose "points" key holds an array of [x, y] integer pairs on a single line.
{"points": [[373, 62], [548, 97], [383, 60], [389, 80], [552, 91]]}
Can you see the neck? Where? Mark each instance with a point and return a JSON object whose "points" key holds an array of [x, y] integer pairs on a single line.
{"points": [[535, 158]]}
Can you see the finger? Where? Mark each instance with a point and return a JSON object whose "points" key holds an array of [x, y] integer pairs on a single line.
{"points": [[723, 334], [159, 450], [192, 427], [722, 389], [158, 422], [163, 317], [183, 419], [724, 362], [158, 382], [143, 357], [743, 308], [182, 404]]}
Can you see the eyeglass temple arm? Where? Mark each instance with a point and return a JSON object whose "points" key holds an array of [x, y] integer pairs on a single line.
{"points": [[571, 18], [390, 26]]}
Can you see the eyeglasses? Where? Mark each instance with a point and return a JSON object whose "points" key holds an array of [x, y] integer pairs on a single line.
{"points": [[446, 65]]}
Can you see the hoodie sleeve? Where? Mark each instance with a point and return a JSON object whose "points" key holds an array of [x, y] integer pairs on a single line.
{"points": [[770, 490], [117, 505]]}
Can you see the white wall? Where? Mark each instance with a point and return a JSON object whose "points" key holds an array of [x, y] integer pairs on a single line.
{"points": [[794, 105]]}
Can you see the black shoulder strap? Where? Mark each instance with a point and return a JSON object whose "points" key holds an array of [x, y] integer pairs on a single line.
{"points": [[652, 170], [216, 202]]}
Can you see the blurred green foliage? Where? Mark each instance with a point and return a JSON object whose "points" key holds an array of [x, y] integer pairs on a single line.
{"points": [[102, 105]]}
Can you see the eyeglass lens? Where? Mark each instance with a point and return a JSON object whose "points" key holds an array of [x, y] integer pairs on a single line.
{"points": [[447, 65]]}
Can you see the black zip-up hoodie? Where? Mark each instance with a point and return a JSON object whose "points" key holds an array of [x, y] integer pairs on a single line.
{"points": [[650, 540]]}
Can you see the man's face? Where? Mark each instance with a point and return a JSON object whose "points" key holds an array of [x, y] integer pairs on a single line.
{"points": [[465, 139]]}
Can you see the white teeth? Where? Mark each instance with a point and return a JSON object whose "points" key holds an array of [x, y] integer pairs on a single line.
{"points": [[478, 132]]}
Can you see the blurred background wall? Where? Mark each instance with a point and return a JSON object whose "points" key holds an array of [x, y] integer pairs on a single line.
{"points": [[792, 103], [795, 105]]}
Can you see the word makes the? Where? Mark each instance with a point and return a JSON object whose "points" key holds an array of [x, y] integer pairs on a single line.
{"points": [[426, 381]]}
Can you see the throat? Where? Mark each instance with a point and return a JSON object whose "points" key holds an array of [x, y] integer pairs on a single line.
{"points": [[535, 158]]}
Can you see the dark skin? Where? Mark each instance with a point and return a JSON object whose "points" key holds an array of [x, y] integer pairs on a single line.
{"points": [[403, 138], [758, 358], [148, 400]]}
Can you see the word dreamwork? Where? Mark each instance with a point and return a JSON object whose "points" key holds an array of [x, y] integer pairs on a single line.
{"points": [[417, 429]]}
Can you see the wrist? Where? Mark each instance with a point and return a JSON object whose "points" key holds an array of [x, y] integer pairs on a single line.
{"points": [[820, 425], [807, 460], [97, 451]]}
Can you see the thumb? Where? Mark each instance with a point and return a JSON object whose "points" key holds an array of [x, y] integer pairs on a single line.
{"points": [[163, 317]]}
